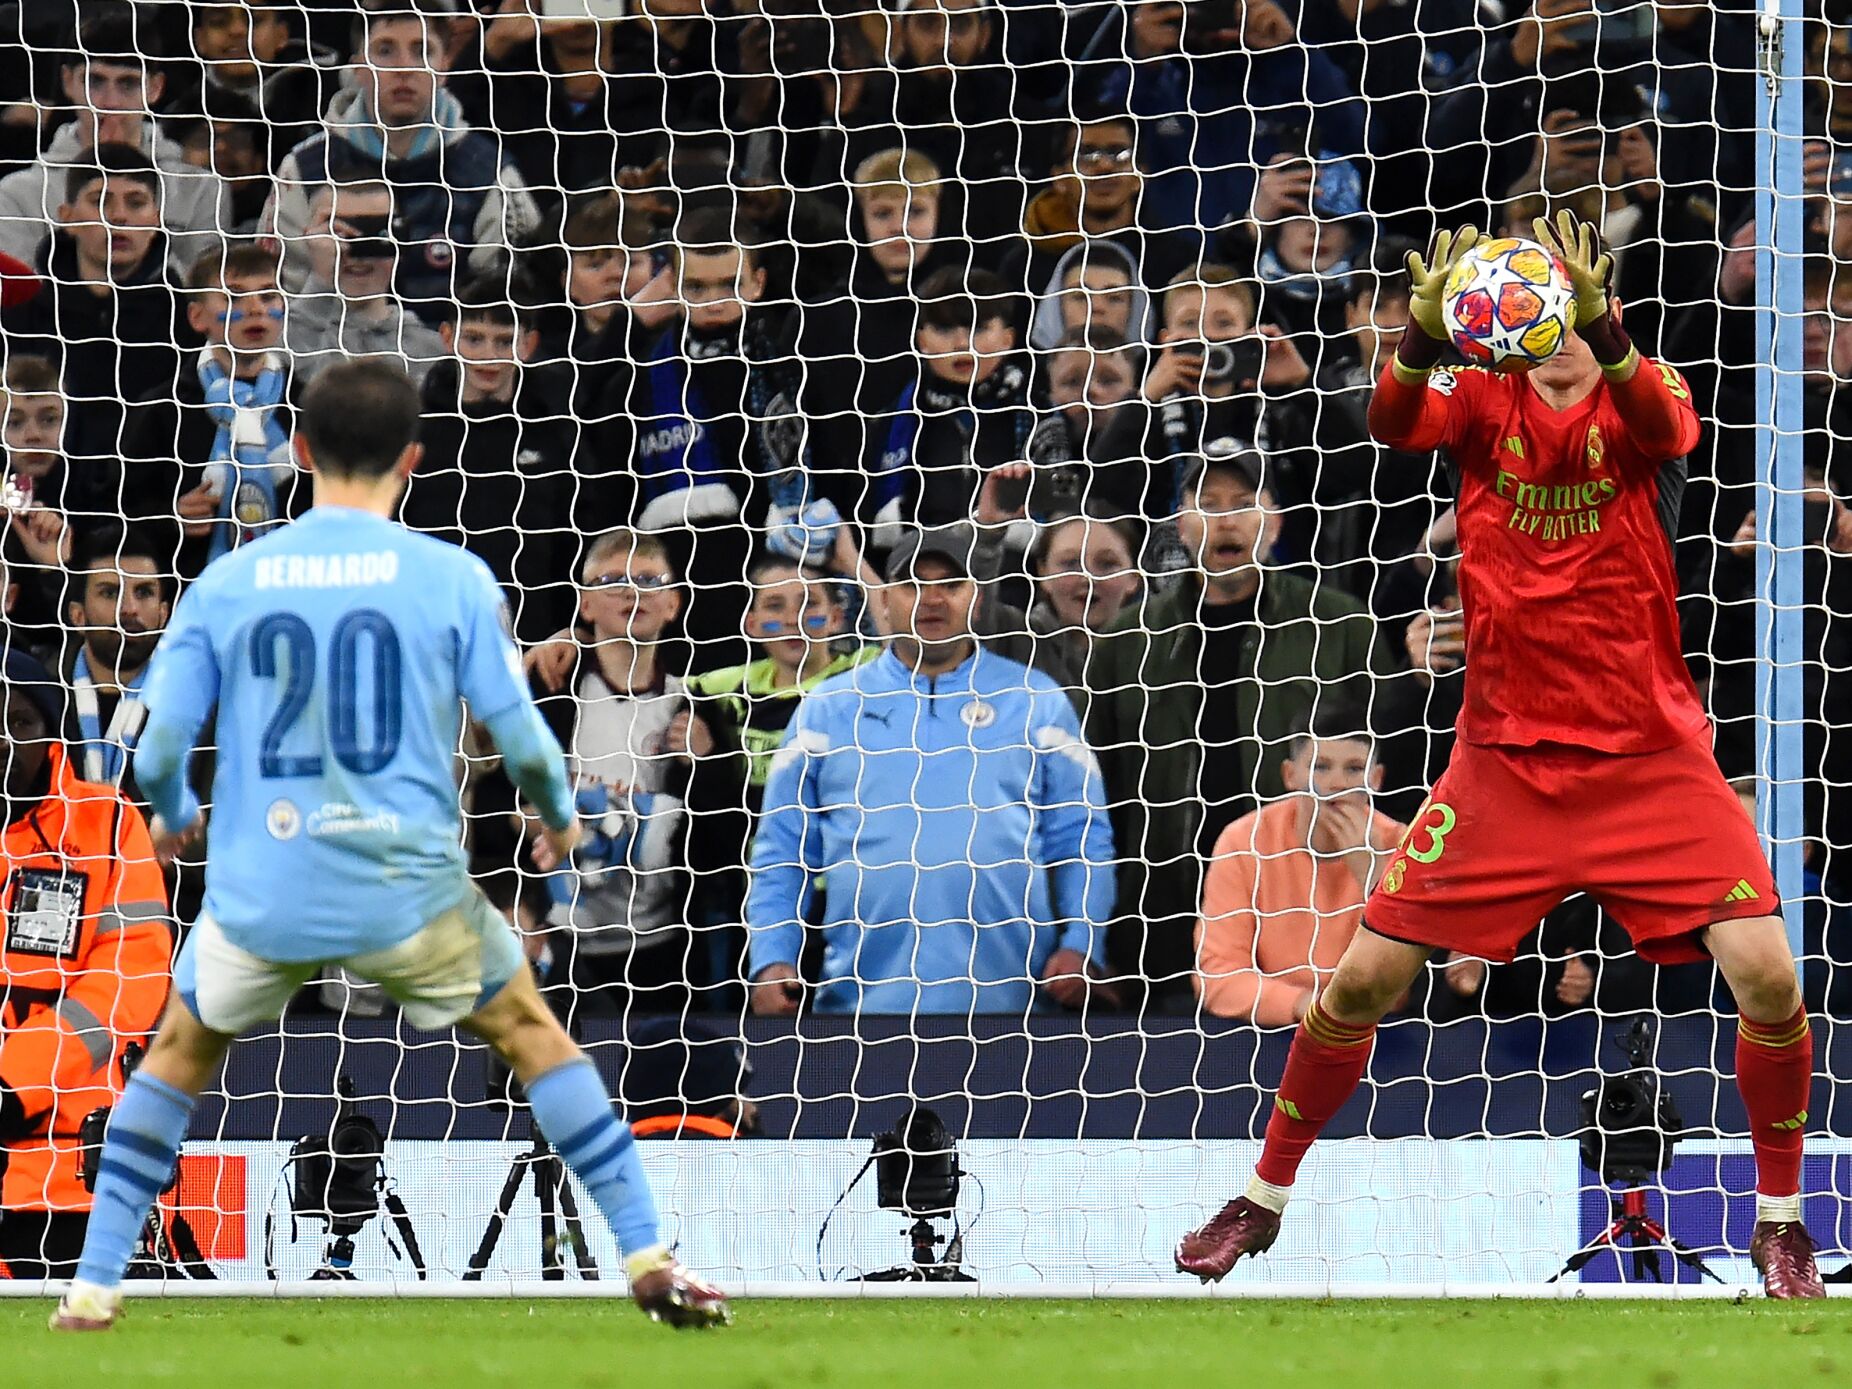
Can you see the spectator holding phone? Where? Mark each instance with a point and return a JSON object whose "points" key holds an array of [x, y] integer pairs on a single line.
{"points": [[1307, 232], [1207, 84], [346, 308], [1092, 378], [966, 413], [1219, 379]]}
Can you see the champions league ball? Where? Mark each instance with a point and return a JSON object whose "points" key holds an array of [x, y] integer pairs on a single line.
{"points": [[1508, 304]]}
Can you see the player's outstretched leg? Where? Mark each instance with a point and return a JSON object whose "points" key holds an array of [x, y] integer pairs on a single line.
{"points": [[1328, 1057], [139, 1152], [1774, 1072], [573, 1109]]}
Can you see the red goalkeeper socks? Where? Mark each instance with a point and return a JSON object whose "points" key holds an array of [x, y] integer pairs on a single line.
{"points": [[1774, 1072], [1323, 1069]]}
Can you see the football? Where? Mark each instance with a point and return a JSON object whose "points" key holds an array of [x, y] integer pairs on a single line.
{"points": [[1508, 304]]}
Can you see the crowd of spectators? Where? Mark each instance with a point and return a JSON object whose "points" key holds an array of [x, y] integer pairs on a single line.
{"points": [[922, 441]]}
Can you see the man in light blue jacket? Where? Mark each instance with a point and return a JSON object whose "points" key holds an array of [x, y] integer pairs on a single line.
{"points": [[952, 808]]}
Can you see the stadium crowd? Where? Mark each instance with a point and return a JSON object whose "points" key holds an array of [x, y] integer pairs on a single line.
{"points": [[922, 444]]}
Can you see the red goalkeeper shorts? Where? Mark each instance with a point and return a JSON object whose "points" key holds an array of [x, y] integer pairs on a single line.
{"points": [[1658, 839]]}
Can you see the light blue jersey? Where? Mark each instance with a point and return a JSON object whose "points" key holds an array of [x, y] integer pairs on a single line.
{"points": [[337, 652]]}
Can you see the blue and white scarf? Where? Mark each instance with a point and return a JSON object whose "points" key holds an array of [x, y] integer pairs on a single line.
{"points": [[104, 754], [250, 454]]}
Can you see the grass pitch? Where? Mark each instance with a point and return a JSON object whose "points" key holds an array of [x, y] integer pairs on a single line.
{"points": [[269, 1344]]}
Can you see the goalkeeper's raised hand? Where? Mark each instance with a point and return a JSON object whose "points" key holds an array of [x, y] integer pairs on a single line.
{"points": [[1427, 279], [1591, 270]]}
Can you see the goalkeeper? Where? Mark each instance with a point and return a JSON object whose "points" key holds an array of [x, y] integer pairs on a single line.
{"points": [[1584, 760]]}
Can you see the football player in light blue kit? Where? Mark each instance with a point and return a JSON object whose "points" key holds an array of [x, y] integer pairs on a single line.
{"points": [[338, 652]]}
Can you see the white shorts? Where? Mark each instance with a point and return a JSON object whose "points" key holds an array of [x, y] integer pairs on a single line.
{"points": [[451, 967]]}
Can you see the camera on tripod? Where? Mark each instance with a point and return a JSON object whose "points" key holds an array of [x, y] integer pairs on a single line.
{"points": [[563, 1244], [1630, 1123], [339, 1179], [917, 1173], [166, 1246], [1630, 1127]]}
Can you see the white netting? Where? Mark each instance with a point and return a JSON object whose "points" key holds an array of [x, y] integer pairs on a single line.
{"points": [[713, 305]]}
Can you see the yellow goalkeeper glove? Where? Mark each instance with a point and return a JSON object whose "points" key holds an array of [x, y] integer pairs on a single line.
{"points": [[1578, 246], [1427, 279]]}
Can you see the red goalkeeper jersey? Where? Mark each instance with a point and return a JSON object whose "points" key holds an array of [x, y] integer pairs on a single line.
{"points": [[1566, 574]]}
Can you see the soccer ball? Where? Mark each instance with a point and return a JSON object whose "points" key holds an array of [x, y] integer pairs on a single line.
{"points": [[1508, 304]]}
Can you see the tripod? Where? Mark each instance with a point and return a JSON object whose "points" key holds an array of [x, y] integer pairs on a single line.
{"points": [[554, 1193], [1647, 1237], [927, 1266], [168, 1249]]}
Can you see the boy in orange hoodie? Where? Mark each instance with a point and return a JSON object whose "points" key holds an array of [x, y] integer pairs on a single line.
{"points": [[1285, 889]]}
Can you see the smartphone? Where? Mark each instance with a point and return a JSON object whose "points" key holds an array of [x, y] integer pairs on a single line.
{"points": [[1012, 493], [1816, 520], [584, 9], [1840, 179], [372, 238], [1245, 359], [1206, 19]]}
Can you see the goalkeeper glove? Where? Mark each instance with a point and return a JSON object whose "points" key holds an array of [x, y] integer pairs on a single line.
{"points": [[1591, 270], [1427, 279]]}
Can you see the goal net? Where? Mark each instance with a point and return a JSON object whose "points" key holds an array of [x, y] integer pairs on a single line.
{"points": [[923, 445]]}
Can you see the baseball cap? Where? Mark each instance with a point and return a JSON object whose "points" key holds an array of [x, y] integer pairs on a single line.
{"points": [[1248, 464], [952, 543]]}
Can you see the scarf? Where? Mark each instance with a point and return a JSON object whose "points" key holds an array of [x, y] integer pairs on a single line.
{"points": [[250, 454], [679, 471], [1303, 286], [1038, 442], [104, 754]]}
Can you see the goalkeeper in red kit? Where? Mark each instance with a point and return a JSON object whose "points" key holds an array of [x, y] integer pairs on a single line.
{"points": [[1583, 762]]}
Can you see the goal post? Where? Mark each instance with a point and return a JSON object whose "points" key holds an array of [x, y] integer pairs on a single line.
{"points": [[1781, 604]]}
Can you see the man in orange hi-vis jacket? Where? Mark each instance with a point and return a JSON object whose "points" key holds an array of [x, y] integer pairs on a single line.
{"points": [[85, 948]]}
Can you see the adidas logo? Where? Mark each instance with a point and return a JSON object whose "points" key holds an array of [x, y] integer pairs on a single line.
{"points": [[1515, 445], [1742, 892]]}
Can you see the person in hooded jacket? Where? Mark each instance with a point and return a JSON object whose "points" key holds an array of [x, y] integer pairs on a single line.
{"points": [[702, 441], [1095, 285], [460, 202], [967, 413], [108, 83]]}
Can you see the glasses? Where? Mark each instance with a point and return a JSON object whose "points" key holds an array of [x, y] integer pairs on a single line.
{"points": [[1104, 157], [646, 583]]}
